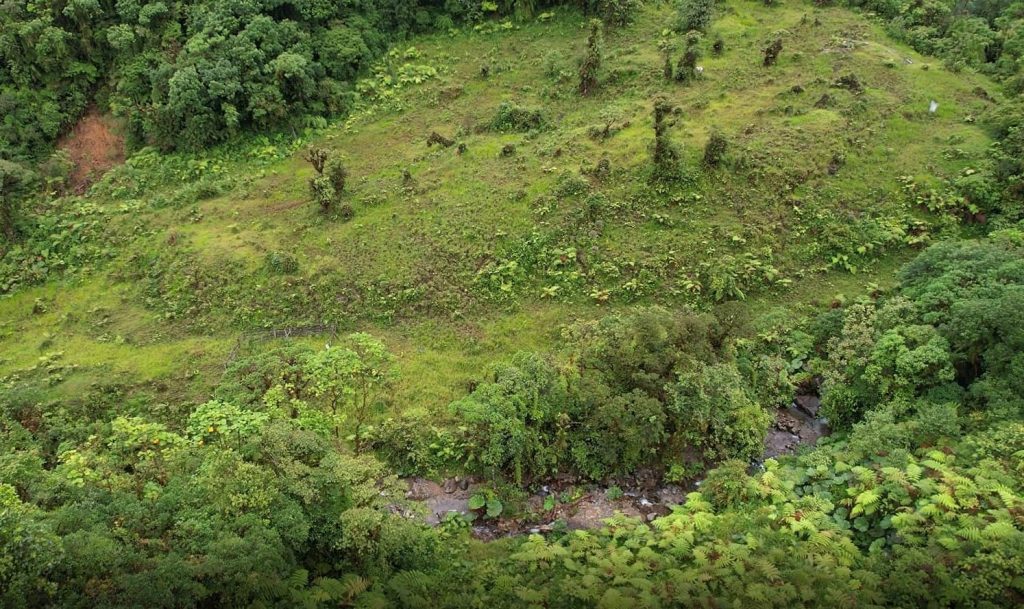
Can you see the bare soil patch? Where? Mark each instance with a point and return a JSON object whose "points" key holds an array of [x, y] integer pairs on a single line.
{"points": [[94, 147]]}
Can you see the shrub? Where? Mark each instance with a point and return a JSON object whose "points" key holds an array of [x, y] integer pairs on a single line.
{"points": [[714, 412], [511, 118], [714, 150], [337, 174], [686, 70], [323, 192], [570, 184], [666, 71], [280, 263], [664, 154], [511, 419], [728, 485], [771, 52]]}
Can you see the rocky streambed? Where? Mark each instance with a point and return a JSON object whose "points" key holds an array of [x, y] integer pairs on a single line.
{"points": [[565, 504]]}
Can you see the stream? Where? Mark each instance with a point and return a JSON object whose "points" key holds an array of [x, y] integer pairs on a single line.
{"points": [[643, 495]]}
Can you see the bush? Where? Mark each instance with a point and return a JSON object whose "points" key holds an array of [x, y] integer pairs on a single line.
{"points": [[728, 485], [713, 410], [714, 150], [280, 263], [335, 171], [511, 118], [323, 192], [664, 154], [686, 70], [772, 51], [512, 419]]}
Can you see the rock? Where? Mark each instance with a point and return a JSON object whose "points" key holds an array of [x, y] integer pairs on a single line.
{"points": [[657, 511], [785, 422], [450, 93], [450, 486], [836, 164], [825, 101], [437, 138], [672, 495], [810, 404], [850, 82], [421, 489]]}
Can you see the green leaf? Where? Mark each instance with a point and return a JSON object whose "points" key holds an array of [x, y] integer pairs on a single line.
{"points": [[494, 507]]}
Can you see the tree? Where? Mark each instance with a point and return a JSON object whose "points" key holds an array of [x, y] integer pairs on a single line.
{"points": [[667, 71], [619, 433], [515, 421], [713, 411], [29, 553], [351, 380], [694, 14], [15, 183], [615, 13], [592, 60], [328, 181]]}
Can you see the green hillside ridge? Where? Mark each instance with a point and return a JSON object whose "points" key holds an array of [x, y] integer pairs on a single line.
{"points": [[494, 253]]}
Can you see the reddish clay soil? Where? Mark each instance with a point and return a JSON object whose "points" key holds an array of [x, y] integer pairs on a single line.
{"points": [[94, 147]]}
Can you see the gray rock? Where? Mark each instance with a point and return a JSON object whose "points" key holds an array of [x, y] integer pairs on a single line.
{"points": [[809, 404]]}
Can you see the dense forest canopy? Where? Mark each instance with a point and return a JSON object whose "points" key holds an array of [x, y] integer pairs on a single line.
{"points": [[188, 74], [222, 381], [193, 73]]}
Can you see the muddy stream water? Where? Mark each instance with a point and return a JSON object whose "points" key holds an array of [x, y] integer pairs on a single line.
{"points": [[643, 495]]}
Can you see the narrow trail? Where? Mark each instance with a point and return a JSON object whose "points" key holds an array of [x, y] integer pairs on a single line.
{"points": [[575, 506]]}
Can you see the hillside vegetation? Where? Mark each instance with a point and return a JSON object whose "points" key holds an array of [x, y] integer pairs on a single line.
{"points": [[538, 244]]}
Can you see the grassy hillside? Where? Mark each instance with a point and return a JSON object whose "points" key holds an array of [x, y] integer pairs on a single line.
{"points": [[179, 262]]}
